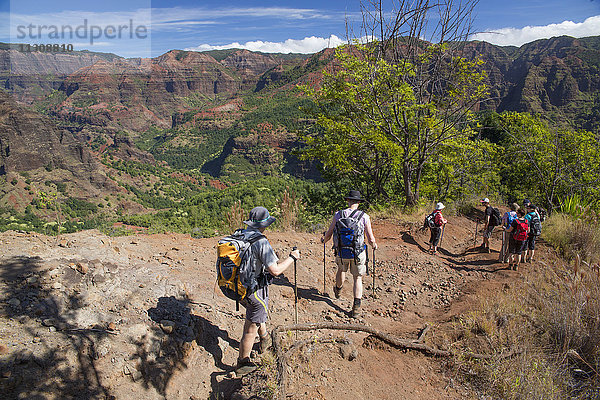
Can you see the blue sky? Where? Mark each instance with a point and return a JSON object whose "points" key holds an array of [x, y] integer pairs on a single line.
{"points": [[142, 28]]}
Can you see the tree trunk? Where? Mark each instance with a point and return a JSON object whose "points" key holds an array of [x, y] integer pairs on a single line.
{"points": [[408, 193]]}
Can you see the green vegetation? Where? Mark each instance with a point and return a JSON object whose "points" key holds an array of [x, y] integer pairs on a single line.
{"points": [[208, 211], [381, 127]]}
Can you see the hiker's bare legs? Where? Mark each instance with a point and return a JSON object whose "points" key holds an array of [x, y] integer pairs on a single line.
{"points": [[358, 287], [340, 277], [249, 336]]}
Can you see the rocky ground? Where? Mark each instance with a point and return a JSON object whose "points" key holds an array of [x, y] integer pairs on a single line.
{"points": [[89, 316]]}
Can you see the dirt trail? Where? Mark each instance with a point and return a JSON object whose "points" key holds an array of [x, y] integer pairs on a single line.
{"points": [[137, 317]]}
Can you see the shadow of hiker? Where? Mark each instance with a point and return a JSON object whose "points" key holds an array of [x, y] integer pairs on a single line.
{"points": [[45, 314], [448, 253], [163, 352], [407, 237], [466, 265], [311, 294]]}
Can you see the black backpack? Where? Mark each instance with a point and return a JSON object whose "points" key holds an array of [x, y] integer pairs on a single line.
{"points": [[495, 218], [535, 225], [429, 221], [349, 235]]}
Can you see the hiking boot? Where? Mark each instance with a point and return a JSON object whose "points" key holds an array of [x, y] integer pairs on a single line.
{"points": [[263, 344], [337, 291], [356, 312], [244, 367]]}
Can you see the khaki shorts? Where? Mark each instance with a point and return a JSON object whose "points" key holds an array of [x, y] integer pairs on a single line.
{"points": [[359, 269]]}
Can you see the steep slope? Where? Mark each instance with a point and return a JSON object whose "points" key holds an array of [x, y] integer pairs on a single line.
{"points": [[155, 92], [31, 146], [30, 76]]}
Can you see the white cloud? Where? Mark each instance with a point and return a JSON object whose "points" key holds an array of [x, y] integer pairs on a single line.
{"points": [[307, 45], [518, 37]]}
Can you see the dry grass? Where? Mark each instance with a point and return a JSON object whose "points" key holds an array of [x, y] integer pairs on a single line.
{"points": [[289, 211], [235, 218], [552, 320], [572, 236]]}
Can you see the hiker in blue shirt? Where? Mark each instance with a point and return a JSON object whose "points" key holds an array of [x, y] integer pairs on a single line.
{"points": [[535, 230]]}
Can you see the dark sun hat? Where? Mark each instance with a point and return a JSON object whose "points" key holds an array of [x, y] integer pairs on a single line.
{"points": [[259, 217], [354, 195]]}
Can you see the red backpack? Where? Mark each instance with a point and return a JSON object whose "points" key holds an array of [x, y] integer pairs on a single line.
{"points": [[520, 233]]}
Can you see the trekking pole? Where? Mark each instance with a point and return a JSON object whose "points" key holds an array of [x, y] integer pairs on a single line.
{"points": [[502, 247], [476, 227], [295, 290], [367, 260], [373, 272], [442, 236], [324, 274]]}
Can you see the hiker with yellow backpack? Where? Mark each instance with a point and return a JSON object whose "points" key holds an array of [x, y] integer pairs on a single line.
{"points": [[246, 264]]}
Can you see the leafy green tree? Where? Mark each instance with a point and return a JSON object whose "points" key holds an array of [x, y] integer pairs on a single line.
{"points": [[388, 106], [549, 163], [463, 167]]}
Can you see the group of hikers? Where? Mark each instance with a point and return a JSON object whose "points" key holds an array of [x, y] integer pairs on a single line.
{"points": [[246, 261], [521, 226]]}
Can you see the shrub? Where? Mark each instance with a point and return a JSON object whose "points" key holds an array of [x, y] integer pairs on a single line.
{"points": [[289, 210], [572, 236]]}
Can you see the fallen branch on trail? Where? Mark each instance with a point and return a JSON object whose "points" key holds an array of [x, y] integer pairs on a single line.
{"points": [[282, 357]]}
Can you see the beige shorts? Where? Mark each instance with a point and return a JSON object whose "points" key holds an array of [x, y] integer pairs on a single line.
{"points": [[359, 269]]}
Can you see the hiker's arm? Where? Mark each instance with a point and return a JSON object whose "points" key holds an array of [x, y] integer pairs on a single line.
{"points": [[325, 238], [277, 268], [369, 234]]}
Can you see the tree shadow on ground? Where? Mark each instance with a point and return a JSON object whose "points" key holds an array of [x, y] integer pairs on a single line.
{"points": [[163, 354], [471, 265], [62, 360]]}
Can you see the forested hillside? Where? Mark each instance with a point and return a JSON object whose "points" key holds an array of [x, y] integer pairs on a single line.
{"points": [[188, 124]]}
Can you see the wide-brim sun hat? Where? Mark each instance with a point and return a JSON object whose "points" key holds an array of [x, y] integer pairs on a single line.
{"points": [[354, 195], [259, 217], [440, 206]]}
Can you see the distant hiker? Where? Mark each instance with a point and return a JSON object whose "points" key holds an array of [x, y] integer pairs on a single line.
{"points": [[507, 220], [535, 230], [265, 264], [518, 231], [435, 221], [349, 228], [491, 219]]}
